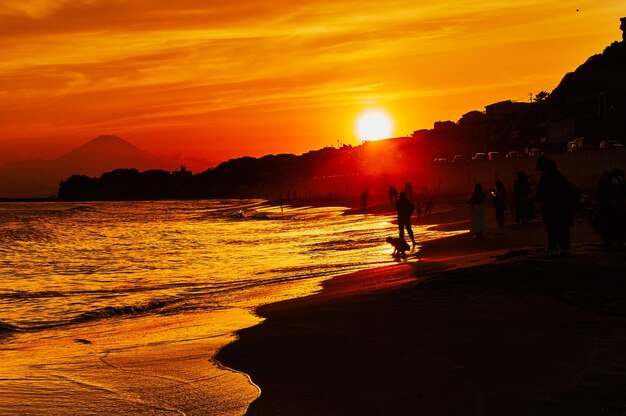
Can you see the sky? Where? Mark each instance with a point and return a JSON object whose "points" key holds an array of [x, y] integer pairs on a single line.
{"points": [[213, 80]]}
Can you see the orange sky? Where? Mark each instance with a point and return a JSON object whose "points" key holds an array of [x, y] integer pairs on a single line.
{"points": [[220, 79]]}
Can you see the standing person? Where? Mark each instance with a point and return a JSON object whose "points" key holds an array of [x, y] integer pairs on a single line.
{"points": [[429, 206], [498, 198], [408, 188], [523, 197], [521, 189], [418, 207], [604, 220], [557, 197], [404, 209], [392, 194], [476, 201], [364, 200]]}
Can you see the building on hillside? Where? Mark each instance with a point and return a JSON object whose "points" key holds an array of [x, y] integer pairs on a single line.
{"points": [[182, 172]]}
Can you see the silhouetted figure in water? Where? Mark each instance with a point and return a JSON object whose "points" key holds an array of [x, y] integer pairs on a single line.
{"points": [[428, 208], [498, 197], [477, 201], [523, 197], [399, 247], [557, 197], [392, 194], [418, 207], [364, 200], [404, 209], [280, 200]]}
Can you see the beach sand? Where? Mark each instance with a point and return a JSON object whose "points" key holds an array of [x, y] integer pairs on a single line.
{"points": [[473, 328]]}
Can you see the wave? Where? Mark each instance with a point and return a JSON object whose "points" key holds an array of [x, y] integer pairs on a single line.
{"points": [[112, 311], [24, 234], [81, 208], [95, 315], [23, 294], [8, 328]]}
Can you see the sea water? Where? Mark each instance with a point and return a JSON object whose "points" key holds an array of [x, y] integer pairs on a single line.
{"points": [[117, 308]]}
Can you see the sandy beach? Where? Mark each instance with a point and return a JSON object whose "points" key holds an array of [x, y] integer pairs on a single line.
{"points": [[474, 328]]}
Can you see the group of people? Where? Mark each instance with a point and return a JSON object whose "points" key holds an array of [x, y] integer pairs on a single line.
{"points": [[555, 193], [557, 197], [477, 204]]}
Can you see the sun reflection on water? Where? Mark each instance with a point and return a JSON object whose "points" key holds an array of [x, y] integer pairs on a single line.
{"points": [[91, 293]]}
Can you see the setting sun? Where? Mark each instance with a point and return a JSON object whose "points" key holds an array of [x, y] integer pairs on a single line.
{"points": [[374, 125]]}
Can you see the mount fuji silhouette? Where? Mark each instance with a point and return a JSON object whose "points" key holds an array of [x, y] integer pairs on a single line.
{"points": [[40, 178]]}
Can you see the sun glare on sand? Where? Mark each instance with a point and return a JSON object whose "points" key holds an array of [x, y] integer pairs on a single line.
{"points": [[374, 125]]}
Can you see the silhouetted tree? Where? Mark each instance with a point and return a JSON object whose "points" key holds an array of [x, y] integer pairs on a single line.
{"points": [[541, 96]]}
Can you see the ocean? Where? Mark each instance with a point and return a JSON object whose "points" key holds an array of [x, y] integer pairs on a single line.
{"points": [[117, 308]]}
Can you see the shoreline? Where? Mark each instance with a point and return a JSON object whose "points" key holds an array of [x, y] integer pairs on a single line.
{"points": [[483, 327]]}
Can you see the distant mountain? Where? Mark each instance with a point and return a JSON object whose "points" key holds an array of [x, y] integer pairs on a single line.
{"points": [[105, 153], [40, 178]]}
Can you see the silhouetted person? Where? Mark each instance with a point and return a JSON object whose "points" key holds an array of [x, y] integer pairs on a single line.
{"points": [[280, 200], [428, 207], [392, 194], [418, 207], [608, 216], [408, 188], [523, 197], [498, 197], [364, 200], [557, 197], [404, 209], [477, 201], [399, 247]]}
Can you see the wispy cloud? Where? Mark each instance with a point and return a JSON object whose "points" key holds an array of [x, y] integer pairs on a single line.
{"points": [[83, 66]]}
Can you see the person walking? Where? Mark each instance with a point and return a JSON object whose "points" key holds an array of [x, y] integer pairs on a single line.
{"points": [[557, 197], [404, 209], [498, 197], [522, 195], [476, 201]]}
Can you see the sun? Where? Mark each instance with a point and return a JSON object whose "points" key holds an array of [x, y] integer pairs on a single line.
{"points": [[374, 125]]}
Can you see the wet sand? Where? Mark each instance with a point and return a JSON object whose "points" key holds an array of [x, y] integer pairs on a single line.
{"points": [[474, 328]]}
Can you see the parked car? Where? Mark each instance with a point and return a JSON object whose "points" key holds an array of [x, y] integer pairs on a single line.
{"points": [[583, 143], [458, 159], [535, 152], [514, 155], [440, 160], [493, 155], [479, 156], [607, 144]]}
